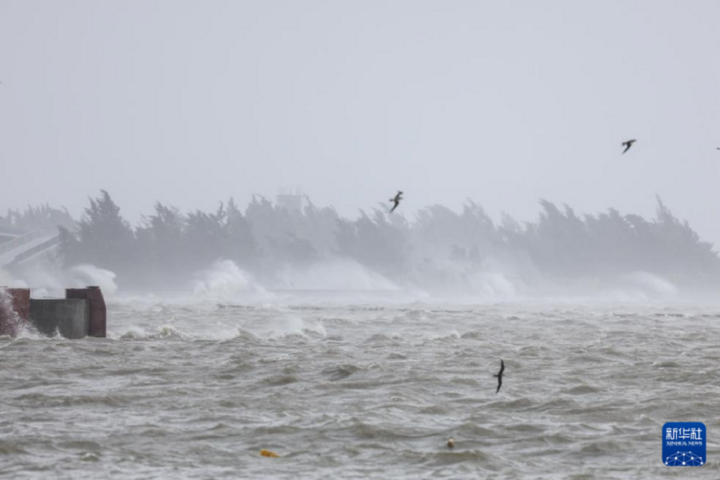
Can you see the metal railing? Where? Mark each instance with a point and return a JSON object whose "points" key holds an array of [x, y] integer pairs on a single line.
{"points": [[44, 246], [21, 240]]}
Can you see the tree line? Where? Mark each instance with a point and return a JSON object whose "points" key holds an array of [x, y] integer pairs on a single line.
{"points": [[42, 217], [438, 247]]}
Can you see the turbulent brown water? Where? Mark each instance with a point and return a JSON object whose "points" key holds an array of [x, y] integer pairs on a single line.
{"points": [[362, 387]]}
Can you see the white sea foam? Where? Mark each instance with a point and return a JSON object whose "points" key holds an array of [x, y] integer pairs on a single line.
{"points": [[336, 274], [652, 283], [89, 275], [226, 282], [51, 282]]}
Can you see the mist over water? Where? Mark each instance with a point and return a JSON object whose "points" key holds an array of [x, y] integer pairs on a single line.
{"points": [[360, 385], [335, 274], [225, 281], [46, 281], [292, 244], [356, 349], [348, 372]]}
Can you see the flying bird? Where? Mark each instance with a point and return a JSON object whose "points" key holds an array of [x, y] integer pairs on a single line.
{"points": [[499, 375], [396, 200], [628, 144]]}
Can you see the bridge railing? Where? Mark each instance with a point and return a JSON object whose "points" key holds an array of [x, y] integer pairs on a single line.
{"points": [[35, 250], [21, 240]]}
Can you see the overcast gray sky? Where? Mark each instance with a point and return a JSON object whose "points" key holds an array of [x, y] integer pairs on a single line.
{"points": [[190, 102]]}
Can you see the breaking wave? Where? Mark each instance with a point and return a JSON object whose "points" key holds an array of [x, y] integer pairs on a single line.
{"points": [[226, 282]]}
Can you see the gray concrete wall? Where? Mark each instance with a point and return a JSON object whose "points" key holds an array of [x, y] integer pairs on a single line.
{"points": [[71, 317]]}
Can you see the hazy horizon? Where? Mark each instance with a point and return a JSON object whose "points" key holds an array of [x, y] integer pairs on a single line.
{"points": [[504, 104]]}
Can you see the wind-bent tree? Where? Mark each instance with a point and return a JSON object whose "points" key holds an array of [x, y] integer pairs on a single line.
{"points": [[102, 238], [439, 248]]}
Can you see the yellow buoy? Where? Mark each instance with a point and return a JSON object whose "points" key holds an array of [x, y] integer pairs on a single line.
{"points": [[268, 453]]}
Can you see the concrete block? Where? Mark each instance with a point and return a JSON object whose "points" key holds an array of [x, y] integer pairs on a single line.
{"points": [[98, 310], [71, 317]]}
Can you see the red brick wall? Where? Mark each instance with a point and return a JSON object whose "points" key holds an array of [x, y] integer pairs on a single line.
{"points": [[14, 309]]}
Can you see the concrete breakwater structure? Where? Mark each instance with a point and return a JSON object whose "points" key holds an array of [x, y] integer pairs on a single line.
{"points": [[82, 313]]}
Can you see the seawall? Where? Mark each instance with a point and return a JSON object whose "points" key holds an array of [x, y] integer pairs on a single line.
{"points": [[82, 313]]}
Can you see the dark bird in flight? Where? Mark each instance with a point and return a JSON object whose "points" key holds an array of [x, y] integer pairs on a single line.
{"points": [[396, 200], [628, 144], [499, 375]]}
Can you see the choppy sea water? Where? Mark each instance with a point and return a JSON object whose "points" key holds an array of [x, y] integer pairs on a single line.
{"points": [[362, 387]]}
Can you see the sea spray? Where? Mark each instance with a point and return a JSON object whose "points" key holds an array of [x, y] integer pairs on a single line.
{"points": [[11, 323], [336, 274], [86, 274], [653, 283], [9, 320], [226, 282], [493, 285], [53, 282], [8, 280]]}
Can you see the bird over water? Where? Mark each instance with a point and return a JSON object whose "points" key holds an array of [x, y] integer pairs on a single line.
{"points": [[499, 375], [396, 200], [628, 144]]}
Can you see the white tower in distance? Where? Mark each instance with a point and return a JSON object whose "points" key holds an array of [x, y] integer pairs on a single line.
{"points": [[291, 200]]}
